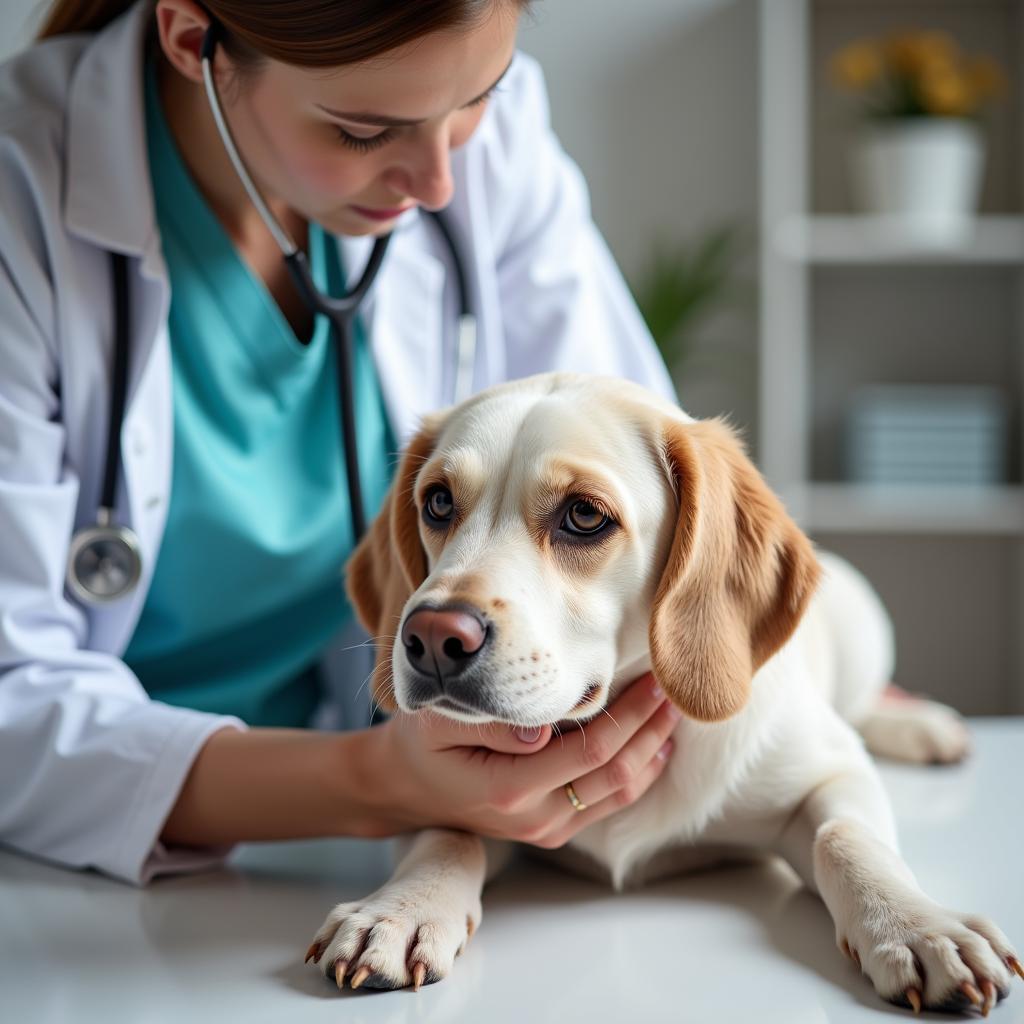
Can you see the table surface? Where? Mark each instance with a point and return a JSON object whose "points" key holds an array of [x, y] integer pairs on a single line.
{"points": [[744, 943]]}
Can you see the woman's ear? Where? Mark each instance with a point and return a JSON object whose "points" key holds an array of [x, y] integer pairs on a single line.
{"points": [[181, 26], [389, 563], [738, 577]]}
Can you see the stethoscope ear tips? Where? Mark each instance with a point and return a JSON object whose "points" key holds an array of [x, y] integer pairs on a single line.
{"points": [[210, 39]]}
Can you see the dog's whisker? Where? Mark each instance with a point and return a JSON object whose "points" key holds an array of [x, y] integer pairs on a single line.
{"points": [[368, 642], [359, 690]]}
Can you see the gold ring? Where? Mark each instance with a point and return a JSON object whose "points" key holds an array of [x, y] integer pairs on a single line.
{"points": [[576, 802]]}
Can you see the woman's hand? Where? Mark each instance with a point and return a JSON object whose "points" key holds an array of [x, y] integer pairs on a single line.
{"points": [[498, 782]]}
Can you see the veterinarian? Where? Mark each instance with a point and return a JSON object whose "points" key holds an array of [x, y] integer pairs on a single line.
{"points": [[148, 728]]}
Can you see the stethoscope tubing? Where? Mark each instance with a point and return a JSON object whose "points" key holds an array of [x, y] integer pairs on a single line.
{"points": [[341, 313], [119, 379]]}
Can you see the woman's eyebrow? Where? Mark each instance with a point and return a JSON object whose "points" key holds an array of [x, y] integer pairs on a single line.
{"points": [[384, 121]]}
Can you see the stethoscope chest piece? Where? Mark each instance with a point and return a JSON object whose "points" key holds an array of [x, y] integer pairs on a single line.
{"points": [[104, 563]]}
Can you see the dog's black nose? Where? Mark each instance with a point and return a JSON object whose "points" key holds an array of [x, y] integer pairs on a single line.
{"points": [[441, 642]]}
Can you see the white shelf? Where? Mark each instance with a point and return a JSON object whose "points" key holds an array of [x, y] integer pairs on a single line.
{"points": [[859, 508], [853, 239], [807, 256]]}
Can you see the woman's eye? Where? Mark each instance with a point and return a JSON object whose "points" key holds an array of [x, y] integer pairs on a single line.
{"points": [[481, 100], [583, 519], [438, 507], [360, 144]]}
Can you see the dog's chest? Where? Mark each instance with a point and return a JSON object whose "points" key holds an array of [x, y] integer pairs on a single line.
{"points": [[706, 763]]}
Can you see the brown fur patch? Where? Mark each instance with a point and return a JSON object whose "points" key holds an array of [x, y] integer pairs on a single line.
{"points": [[389, 563]]}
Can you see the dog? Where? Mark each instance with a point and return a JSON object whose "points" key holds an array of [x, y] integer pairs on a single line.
{"points": [[590, 531]]}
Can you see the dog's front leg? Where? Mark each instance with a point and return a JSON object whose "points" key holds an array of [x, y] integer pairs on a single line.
{"points": [[411, 929], [842, 842]]}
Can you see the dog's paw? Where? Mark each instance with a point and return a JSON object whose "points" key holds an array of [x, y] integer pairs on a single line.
{"points": [[915, 731], [924, 956], [399, 936]]}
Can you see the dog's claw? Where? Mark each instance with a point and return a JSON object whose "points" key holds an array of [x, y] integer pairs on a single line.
{"points": [[419, 972], [914, 998], [339, 972], [989, 991], [313, 953], [1015, 966], [360, 976], [971, 992]]}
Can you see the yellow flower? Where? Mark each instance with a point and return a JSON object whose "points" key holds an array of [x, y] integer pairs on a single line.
{"points": [[858, 65], [911, 53], [926, 71], [936, 49], [902, 51], [947, 93]]}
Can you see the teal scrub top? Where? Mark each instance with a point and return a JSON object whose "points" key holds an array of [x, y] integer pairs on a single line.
{"points": [[248, 589]]}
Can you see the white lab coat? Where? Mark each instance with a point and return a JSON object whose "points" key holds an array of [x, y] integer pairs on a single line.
{"points": [[89, 765]]}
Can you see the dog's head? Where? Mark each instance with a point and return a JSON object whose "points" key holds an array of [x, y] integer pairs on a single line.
{"points": [[540, 538]]}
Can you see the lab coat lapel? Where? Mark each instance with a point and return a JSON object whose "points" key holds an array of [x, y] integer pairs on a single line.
{"points": [[108, 185], [109, 198], [404, 318], [108, 203]]}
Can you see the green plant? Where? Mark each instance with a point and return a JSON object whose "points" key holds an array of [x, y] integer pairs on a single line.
{"points": [[681, 283]]}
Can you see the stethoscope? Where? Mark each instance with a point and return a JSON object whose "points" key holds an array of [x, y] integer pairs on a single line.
{"points": [[105, 560]]}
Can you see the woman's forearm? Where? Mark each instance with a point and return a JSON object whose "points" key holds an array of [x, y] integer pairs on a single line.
{"points": [[279, 784]]}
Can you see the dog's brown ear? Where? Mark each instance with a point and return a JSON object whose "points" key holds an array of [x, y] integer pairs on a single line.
{"points": [[738, 577], [389, 563]]}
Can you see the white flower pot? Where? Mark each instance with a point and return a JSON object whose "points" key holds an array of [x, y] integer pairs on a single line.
{"points": [[925, 171]]}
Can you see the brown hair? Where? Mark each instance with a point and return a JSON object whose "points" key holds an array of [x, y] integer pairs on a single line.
{"points": [[306, 33]]}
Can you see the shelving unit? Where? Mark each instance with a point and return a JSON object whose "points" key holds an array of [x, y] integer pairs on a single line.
{"points": [[850, 300], [942, 511], [852, 239]]}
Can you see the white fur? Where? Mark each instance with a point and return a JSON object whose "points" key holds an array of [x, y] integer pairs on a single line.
{"points": [[788, 773]]}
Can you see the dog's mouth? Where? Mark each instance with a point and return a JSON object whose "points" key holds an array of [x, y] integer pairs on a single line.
{"points": [[592, 700], [460, 710], [590, 704], [450, 704]]}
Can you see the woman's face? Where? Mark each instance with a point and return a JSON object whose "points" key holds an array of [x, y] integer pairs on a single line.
{"points": [[352, 148]]}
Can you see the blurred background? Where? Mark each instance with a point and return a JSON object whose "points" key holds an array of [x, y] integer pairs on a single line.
{"points": [[819, 205]]}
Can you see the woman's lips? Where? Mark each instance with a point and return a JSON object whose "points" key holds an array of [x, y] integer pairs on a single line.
{"points": [[382, 214]]}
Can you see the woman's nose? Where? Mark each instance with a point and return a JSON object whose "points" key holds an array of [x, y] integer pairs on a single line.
{"points": [[426, 175]]}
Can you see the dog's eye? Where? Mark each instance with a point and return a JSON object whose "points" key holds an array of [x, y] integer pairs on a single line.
{"points": [[438, 507], [583, 519]]}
